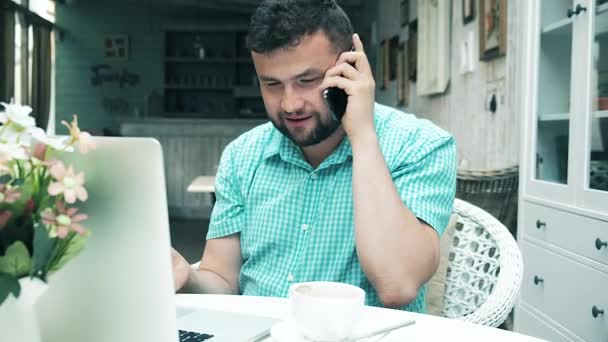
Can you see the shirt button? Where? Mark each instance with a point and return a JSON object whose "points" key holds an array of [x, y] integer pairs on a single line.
{"points": [[290, 277], [304, 227], [313, 176]]}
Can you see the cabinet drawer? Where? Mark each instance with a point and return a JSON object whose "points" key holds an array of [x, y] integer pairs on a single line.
{"points": [[531, 325], [566, 291], [573, 232]]}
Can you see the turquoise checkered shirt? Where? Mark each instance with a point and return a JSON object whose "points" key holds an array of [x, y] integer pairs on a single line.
{"points": [[296, 222]]}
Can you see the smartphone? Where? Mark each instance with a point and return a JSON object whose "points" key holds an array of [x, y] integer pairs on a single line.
{"points": [[336, 100]]}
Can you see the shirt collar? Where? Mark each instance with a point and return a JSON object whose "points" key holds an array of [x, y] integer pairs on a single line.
{"points": [[274, 143], [290, 152]]}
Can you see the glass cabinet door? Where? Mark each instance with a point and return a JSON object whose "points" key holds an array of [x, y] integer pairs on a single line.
{"points": [[598, 132], [553, 107]]}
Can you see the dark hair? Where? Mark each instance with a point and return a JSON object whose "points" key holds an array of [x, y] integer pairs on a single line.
{"points": [[278, 24]]}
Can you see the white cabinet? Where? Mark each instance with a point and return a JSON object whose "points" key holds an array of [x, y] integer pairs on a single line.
{"points": [[563, 221]]}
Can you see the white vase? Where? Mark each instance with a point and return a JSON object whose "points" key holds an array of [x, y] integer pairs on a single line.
{"points": [[18, 321]]}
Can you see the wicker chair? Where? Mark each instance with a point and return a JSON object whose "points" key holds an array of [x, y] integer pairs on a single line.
{"points": [[495, 191], [484, 272]]}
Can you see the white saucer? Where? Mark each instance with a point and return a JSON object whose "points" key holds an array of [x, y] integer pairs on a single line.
{"points": [[284, 331]]}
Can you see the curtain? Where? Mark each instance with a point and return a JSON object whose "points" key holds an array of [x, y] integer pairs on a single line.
{"points": [[23, 60], [7, 53], [41, 75]]}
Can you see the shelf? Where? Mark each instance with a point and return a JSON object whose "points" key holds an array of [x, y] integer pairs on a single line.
{"points": [[247, 92], [602, 8], [601, 26], [215, 115], [601, 113], [178, 87], [566, 116], [193, 60], [199, 114], [554, 117], [558, 27]]}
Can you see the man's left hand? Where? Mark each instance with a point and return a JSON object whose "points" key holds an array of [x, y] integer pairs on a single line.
{"points": [[353, 74]]}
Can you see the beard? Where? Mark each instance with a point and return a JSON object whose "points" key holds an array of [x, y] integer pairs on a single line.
{"points": [[322, 129]]}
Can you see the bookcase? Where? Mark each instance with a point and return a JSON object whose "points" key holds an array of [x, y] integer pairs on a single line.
{"points": [[209, 73]]}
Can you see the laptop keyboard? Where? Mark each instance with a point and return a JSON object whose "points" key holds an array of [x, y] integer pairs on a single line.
{"points": [[191, 336]]}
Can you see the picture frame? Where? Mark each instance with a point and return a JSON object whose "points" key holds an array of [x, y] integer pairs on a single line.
{"points": [[492, 29], [404, 12], [468, 11], [433, 61], [412, 51], [403, 81], [116, 47], [385, 57], [393, 57]]}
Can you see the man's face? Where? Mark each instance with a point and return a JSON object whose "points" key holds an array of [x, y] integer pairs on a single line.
{"points": [[290, 80]]}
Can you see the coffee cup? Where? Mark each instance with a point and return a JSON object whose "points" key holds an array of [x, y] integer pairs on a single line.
{"points": [[325, 311]]}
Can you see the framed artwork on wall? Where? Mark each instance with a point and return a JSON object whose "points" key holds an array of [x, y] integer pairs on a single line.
{"points": [[403, 81], [393, 57], [404, 12], [385, 57], [116, 47], [468, 11], [433, 64], [492, 29], [412, 51]]}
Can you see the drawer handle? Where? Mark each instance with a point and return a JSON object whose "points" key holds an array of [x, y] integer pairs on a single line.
{"points": [[599, 244], [540, 224], [595, 311], [538, 280]]}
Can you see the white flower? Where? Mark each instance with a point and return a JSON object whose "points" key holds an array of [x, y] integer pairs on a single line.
{"points": [[11, 135], [57, 143], [9, 152], [18, 115], [17, 124]]}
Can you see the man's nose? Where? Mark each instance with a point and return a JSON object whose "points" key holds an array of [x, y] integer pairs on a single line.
{"points": [[291, 102]]}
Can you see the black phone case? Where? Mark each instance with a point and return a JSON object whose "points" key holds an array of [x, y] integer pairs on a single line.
{"points": [[336, 99]]}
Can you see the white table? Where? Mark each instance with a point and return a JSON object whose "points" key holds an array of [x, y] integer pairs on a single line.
{"points": [[202, 184], [427, 327]]}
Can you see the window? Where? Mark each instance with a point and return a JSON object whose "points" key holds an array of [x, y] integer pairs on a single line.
{"points": [[28, 15]]}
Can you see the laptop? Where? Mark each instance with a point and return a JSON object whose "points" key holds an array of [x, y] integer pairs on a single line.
{"points": [[120, 288]]}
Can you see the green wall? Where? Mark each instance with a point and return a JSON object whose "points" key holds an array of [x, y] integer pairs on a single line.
{"points": [[86, 24]]}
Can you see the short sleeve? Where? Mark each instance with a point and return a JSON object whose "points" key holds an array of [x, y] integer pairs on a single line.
{"points": [[228, 215], [426, 182]]}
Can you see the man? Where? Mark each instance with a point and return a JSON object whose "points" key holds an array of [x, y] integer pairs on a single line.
{"points": [[305, 197]]}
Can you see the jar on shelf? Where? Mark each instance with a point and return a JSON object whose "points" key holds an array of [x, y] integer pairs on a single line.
{"points": [[199, 49]]}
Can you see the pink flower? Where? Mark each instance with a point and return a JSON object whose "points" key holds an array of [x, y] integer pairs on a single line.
{"points": [[63, 220], [68, 183], [5, 216], [8, 195], [39, 152], [83, 139]]}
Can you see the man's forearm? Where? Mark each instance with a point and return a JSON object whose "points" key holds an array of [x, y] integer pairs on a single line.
{"points": [[205, 281], [396, 251]]}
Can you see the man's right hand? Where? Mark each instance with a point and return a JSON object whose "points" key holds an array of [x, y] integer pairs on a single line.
{"points": [[219, 270], [181, 270]]}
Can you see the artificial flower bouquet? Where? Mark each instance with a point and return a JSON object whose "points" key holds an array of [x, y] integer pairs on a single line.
{"points": [[40, 223]]}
